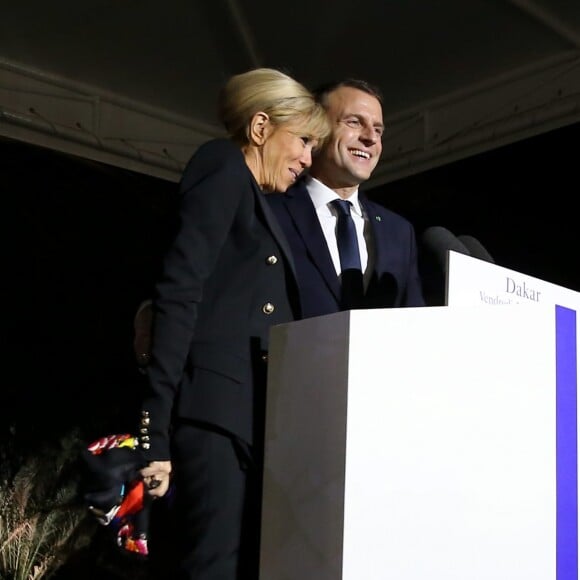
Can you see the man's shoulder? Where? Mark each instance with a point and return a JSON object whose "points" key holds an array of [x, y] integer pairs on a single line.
{"points": [[376, 209], [297, 190]]}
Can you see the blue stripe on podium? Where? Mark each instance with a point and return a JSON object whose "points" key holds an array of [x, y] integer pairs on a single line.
{"points": [[566, 446]]}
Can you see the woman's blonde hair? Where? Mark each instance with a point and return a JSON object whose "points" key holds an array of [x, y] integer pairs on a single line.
{"points": [[278, 95]]}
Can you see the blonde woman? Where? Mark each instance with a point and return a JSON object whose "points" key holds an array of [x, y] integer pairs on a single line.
{"points": [[226, 279]]}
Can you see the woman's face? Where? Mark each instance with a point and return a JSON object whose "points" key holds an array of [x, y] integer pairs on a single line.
{"points": [[286, 153]]}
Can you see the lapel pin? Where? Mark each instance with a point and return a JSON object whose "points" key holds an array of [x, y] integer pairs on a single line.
{"points": [[378, 218]]}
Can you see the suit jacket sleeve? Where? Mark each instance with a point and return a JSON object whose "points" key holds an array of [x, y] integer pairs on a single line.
{"points": [[211, 190]]}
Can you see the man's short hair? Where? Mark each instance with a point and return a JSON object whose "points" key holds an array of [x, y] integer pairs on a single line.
{"points": [[321, 93]]}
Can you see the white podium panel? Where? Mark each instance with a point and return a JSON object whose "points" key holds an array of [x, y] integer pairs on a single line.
{"points": [[473, 282], [419, 443]]}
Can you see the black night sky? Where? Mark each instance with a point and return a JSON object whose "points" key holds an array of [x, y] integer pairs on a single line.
{"points": [[518, 200]]}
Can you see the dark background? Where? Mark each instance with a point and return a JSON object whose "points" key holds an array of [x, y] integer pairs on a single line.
{"points": [[85, 244], [86, 239], [519, 201]]}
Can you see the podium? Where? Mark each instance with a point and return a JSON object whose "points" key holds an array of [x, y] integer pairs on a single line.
{"points": [[434, 443]]}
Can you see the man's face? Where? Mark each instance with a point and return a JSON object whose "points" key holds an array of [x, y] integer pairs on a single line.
{"points": [[354, 146]]}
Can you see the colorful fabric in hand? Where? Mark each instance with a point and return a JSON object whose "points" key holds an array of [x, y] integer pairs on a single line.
{"points": [[114, 491]]}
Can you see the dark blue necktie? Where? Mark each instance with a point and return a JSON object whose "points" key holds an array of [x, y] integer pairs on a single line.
{"points": [[346, 239]]}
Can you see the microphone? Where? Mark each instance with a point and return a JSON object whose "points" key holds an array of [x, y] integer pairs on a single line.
{"points": [[438, 240], [476, 248], [433, 263]]}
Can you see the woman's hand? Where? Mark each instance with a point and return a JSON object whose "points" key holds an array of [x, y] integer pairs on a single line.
{"points": [[156, 477]]}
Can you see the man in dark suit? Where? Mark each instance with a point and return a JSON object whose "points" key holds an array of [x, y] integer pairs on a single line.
{"points": [[386, 241]]}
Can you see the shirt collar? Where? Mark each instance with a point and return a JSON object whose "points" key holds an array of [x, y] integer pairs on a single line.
{"points": [[322, 195]]}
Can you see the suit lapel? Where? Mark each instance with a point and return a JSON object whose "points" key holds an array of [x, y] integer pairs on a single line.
{"points": [[275, 228], [306, 221], [379, 240]]}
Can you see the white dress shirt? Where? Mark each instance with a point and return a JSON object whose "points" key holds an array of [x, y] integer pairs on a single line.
{"points": [[321, 196]]}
